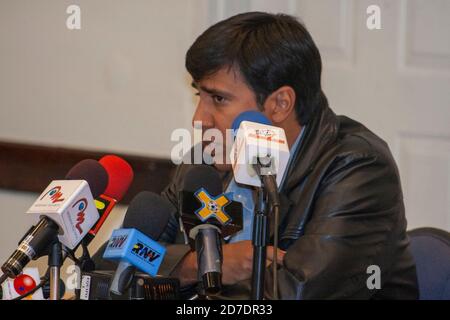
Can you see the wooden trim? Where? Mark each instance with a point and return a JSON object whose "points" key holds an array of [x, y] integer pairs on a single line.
{"points": [[28, 167]]}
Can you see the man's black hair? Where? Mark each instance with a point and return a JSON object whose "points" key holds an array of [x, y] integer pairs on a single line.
{"points": [[269, 50]]}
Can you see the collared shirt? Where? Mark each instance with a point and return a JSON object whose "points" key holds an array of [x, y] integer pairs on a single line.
{"points": [[244, 194]]}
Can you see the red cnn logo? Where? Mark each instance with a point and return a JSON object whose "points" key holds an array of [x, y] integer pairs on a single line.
{"points": [[82, 205], [55, 194]]}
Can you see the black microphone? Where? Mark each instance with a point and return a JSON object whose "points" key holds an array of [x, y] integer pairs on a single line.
{"points": [[203, 215], [149, 214]]}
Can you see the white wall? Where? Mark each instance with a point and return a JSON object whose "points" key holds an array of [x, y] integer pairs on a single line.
{"points": [[105, 86]]}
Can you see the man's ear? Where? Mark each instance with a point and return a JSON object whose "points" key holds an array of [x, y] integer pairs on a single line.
{"points": [[280, 104]]}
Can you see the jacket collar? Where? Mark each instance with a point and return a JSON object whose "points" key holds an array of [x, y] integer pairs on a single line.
{"points": [[320, 133]]}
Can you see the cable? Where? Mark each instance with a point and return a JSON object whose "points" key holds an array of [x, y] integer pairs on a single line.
{"points": [[276, 210], [270, 183], [71, 255], [31, 291]]}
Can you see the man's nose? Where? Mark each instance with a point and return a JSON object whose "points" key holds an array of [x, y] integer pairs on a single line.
{"points": [[202, 115]]}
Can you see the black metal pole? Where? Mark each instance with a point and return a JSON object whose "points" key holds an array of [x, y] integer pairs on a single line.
{"points": [[259, 239], [55, 261]]}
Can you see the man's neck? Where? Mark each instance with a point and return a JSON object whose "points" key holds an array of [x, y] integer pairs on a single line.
{"points": [[292, 133]]}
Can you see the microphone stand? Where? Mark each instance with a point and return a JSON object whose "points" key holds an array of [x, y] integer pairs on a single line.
{"points": [[55, 261], [267, 197], [260, 239]]}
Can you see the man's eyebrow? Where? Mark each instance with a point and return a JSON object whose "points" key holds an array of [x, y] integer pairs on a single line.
{"points": [[212, 91]]}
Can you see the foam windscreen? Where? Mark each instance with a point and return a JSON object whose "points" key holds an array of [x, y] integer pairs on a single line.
{"points": [[91, 171], [203, 176], [149, 213], [120, 176]]}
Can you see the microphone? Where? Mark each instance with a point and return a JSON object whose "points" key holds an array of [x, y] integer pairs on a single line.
{"points": [[65, 210], [120, 177], [203, 215], [260, 152], [259, 157], [146, 218]]}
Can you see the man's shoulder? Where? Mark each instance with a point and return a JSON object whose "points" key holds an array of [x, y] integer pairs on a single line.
{"points": [[356, 147], [354, 140]]}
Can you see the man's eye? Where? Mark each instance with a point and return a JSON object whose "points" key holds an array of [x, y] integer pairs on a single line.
{"points": [[218, 99], [197, 93]]}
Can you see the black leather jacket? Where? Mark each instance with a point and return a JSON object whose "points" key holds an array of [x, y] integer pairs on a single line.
{"points": [[341, 212]]}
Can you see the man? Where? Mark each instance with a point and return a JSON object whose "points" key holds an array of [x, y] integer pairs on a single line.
{"points": [[342, 209], [342, 205]]}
